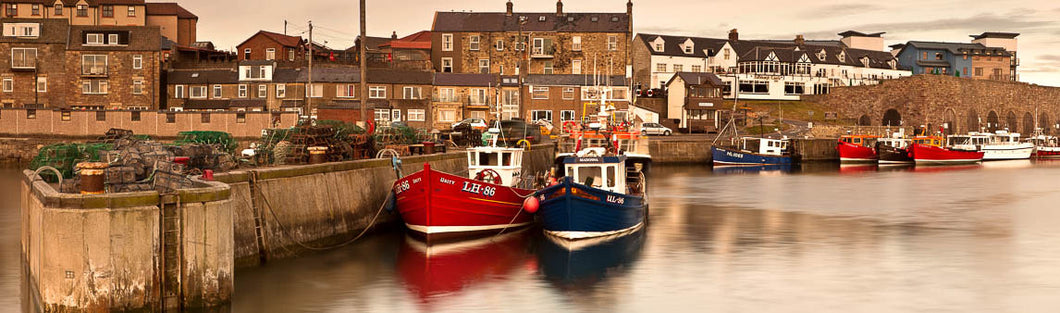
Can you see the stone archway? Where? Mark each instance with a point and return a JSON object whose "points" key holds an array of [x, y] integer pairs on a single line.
{"points": [[973, 121], [993, 122], [1043, 123], [1028, 124], [1011, 121], [865, 120], [949, 120], [892, 118]]}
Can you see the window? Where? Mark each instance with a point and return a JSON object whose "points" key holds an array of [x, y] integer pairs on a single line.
{"points": [[138, 62], [94, 64], [727, 54], [31, 114], [197, 92], [752, 86], [679, 68], [794, 88], [688, 49], [566, 115], [242, 91], [923, 55], [576, 43], [446, 95], [25, 58], [412, 93], [382, 115], [484, 66], [241, 118], [204, 118], [101, 116], [661, 67], [246, 54], [938, 56], [112, 39], [59, 9], [540, 93], [94, 87], [542, 46], [11, 9], [316, 90], [281, 91], [473, 43], [548, 67], [65, 115], [94, 39], [612, 43], [270, 54], [178, 92], [447, 65], [35, 10], [82, 10], [979, 71], [447, 115], [697, 68], [575, 67], [171, 118], [290, 55], [395, 115], [568, 93], [499, 45], [108, 11], [138, 87], [416, 115], [42, 84], [537, 115], [345, 91], [217, 92], [9, 84], [263, 91], [132, 11], [447, 42], [478, 97], [377, 92]]}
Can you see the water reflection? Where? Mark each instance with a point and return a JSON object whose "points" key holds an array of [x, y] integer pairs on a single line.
{"points": [[765, 169], [582, 264], [435, 271]]}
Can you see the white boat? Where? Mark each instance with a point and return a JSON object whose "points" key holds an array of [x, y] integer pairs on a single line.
{"points": [[1001, 145], [1045, 146]]}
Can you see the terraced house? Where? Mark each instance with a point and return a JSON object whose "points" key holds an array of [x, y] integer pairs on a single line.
{"points": [[991, 56]]}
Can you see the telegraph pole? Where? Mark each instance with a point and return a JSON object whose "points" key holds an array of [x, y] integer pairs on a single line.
{"points": [[309, 86], [364, 68]]}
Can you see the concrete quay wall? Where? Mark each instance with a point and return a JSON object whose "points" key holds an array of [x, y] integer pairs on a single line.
{"points": [[698, 151], [107, 252]]}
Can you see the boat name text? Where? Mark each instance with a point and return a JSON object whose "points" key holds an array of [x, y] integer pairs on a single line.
{"points": [[616, 199], [479, 189]]}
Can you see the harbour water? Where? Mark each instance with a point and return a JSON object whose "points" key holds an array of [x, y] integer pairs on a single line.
{"points": [[816, 239]]}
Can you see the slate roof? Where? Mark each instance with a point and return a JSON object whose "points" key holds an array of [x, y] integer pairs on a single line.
{"points": [[168, 8], [353, 75], [695, 78], [140, 38], [198, 77], [285, 40], [790, 53], [569, 22], [52, 31], [462, 79], [956, 47], [672, 45], [996, 35], [575, 80]]}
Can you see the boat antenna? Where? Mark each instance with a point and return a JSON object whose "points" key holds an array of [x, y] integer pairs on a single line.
{"points": [[497, 109]]}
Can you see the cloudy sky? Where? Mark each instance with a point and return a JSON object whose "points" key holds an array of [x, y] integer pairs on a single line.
{"points": [[229, 22]]}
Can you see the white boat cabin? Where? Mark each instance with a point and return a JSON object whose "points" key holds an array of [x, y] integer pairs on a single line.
{"points": [[898, 143], [605, 173], [507, 162], [764, 146]]}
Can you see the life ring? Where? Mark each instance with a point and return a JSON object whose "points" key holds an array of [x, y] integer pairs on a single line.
{"points": [[527, 142], [570, 126], [489, 176]]}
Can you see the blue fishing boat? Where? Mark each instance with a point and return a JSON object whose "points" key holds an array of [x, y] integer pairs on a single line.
{"points": [[753, 151], [599, 195]]}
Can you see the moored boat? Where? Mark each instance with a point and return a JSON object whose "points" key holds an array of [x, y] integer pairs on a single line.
{"points": [[857, 149], [437, 205], [1001, 145], [753, 151], [894, 151], [1045, 147], [933, 155], [599, 195]]}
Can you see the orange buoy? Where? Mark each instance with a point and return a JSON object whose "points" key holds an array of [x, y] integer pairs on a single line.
{"points": [[531, 205]]}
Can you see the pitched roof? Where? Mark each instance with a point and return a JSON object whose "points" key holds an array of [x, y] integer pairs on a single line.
{"points": [[575, 80], [373, 43], [169, 8], [956, 47], [531, 22], [140, 38], [853, 33], [696, 78], [996, 35], [285, 40], [419, 40], [672, 45], [466, 79], [202, 76], [52, 31]]}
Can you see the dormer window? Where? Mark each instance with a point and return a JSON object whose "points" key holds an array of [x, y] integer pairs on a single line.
{"points": [[594, 19], [658, 46], [25, 30], [614, 19], [865, 61], [821, 55], [842, 56], [541, 18], [94, 39], [688, 49], [58, 9], [893, 64], [570, 18]]}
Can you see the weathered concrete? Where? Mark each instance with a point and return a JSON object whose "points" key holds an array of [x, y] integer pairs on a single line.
{"points": [[103, 252], [686, 151], [814, 150]]}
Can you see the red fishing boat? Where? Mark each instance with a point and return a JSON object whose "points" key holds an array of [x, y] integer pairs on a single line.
{"points": [[857, 149], [933, 155], [436, 205]]}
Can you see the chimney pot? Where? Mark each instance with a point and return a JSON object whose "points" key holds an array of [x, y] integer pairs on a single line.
{"points": [[509, 11], [734, 35], [393, 35], [799, 40], [559, 7]]}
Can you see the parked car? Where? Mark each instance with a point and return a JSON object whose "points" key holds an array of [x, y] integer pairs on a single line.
{"points": [[655, 129], [476, 123], [514, 130]]}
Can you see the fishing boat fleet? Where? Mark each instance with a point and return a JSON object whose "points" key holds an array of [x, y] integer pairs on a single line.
{"points": [[596, 189], [971, 148]]}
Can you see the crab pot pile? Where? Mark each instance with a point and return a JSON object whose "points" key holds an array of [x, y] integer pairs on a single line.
{"points": [[64, 157], [291, 146]]}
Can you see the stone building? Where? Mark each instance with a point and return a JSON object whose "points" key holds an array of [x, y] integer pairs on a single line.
{"points": [[463, 95], [33, 50], [80, 12], [112, 67], [201, 89], [695, 102], [558, 98]]}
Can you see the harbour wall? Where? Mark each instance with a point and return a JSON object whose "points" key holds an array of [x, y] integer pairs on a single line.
{"points": [[698, 151]]}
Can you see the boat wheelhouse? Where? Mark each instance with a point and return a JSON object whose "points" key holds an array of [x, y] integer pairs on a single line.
{"points": [[857, 149], [485, 163], [894, 150], [998, 146], [753, 151]]}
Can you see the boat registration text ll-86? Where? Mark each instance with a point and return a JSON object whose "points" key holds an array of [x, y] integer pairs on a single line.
{"points": [[616, 199], [479, 189]]}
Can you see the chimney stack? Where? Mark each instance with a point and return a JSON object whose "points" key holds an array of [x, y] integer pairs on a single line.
{"points": [[799, 40], [629, 9], [394, 35], [509, 11], [559, 7], [734, 35]]}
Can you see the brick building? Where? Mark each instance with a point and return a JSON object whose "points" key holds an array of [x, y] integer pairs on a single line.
{"points": [[393, 95], [80, 12], [201, 89], [463, 95], [175, 22], [265, 45], [33, 56], [558, 98], [113, 67]]}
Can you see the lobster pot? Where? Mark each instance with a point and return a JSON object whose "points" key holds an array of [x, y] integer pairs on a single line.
{"points": [[317, 155], [92, 177]]}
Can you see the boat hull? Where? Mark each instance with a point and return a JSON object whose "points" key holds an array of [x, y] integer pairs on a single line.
{"points": [[1047, 153], [891, 155], [931, 155], [1016, 152], [851, 153], [437, 205], [574, 211], [727, 156]]}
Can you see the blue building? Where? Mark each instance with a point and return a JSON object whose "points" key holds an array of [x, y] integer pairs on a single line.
{"points": [[946, 58]]}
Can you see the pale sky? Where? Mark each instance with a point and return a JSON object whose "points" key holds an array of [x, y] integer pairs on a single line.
{"points": [[229, 22]]}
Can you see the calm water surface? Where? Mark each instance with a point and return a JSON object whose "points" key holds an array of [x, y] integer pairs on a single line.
{"points": [[981, 239]]}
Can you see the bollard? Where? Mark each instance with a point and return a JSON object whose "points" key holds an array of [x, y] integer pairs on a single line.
{"points": [[92, 177], [317, 155], [428, 147]]}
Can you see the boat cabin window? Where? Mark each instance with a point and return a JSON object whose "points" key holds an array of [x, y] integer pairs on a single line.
{"points": [[593, 176], [491, 159], [506, 158]]}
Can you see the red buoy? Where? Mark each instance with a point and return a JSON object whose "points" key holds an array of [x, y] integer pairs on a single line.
{"points": [[531, 205]]}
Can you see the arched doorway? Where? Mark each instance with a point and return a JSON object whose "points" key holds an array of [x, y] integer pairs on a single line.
{"points": [[892, 118], [1028, 124], [992, 122], [865, 120], [973, 121], [949, 120], [1011, 121], [1043, 123]]}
